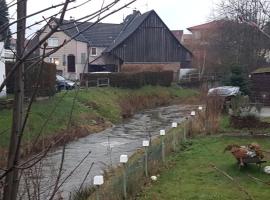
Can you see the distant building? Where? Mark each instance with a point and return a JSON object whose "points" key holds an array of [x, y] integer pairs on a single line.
{"points": [[178, 34], [142, 42], [260, 81], [28, 45], [198, 42]]}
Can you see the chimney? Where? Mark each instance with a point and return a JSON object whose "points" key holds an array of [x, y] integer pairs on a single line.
{"points": [[71, 18]]}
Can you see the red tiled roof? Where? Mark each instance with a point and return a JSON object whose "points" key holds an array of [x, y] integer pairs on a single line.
{"points": [[208, 25]]}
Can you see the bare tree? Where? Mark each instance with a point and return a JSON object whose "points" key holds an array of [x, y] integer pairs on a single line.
{"points": [[243, 35], [15, 166]]}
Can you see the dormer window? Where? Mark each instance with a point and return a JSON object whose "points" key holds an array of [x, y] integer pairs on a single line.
{"points": [[93, 51], [53, 42]]}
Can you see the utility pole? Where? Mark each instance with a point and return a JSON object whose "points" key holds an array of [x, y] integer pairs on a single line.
{"points": [[12, 178]]}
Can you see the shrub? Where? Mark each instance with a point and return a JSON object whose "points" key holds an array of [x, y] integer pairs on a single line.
{"points": [[238, 77], [47, 79], [130, 80], [214, 107], [249, 121]]}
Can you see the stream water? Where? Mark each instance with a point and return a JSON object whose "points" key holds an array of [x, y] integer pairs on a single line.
{"points": [[107, 146]]}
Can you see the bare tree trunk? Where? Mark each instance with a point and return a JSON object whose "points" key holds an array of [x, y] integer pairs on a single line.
{"points": [[204, 63], [12, 179]]}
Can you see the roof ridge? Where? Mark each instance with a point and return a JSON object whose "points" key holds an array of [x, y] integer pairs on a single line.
{"points": [[125, 26], [115, 43]]}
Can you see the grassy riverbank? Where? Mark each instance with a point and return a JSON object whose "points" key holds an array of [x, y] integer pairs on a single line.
{"points": [[94, 110], [191, 176]]}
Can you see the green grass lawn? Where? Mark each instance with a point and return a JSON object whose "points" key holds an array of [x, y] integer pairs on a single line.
{"points": [[90, 104], [192, 177]]}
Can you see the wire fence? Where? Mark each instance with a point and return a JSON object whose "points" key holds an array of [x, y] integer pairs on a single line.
{"points": [[127, 181]]}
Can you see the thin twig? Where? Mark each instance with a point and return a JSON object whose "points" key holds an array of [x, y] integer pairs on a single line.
{"points": [[241, 188], [75, 168], [59, 173], [85, 177], [257, 179]]}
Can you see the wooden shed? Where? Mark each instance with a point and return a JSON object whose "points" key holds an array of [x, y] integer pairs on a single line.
{"points": [[147, 44], [260, 85]]}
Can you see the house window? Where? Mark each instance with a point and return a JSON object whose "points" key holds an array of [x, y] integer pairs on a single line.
{"points": [[52, 42], [83, 58], [71, 63], [54, 60], [64, 60], [93, 51]]}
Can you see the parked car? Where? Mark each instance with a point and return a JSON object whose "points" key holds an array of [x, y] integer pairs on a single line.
{"points": [[64, 84], [225, 91]]}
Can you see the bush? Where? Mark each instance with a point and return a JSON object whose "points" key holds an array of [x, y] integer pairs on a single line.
{"points": [[247, 120], [130, 80], [238, 77], [47, 79]]}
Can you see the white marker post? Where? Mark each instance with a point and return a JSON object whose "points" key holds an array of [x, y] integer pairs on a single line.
{"points": [[162, 134], [124, 160], [174, 125], [185, 129], [146, 145], [189, 122], [98, 181]]}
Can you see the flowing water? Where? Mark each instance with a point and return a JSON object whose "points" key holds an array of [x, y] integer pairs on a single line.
{"points": [[107, 146]]}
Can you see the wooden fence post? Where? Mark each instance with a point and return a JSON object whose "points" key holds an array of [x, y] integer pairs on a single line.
{"points": [[162, 134], [146, 145], [124, 160]]}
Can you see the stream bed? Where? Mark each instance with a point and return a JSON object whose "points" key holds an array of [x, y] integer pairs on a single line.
{"points": [[106, 148]]}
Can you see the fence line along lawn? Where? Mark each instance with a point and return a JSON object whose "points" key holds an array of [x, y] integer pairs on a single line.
{"points": [[192, 178]]}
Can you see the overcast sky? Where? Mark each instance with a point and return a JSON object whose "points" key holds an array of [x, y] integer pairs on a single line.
{"points": [[177, 14]]}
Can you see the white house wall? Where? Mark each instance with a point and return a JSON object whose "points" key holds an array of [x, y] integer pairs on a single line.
{"points": [[76, 48], [73, 47], [95, 59]]}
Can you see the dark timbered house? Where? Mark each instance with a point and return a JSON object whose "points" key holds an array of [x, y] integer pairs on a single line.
{"points": [[142, 42], [146, 43], [260, 90]]}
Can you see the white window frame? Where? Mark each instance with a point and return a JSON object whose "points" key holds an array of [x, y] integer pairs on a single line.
{"points": [[91, 52], [53, 42]]}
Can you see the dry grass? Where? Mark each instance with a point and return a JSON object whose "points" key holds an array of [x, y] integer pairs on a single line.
{"points": [[134, 103], [214, 106], [207, 121]]}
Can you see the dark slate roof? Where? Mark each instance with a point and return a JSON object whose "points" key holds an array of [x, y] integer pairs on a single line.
{"points": [[99, 35], [106, 34], [128, 29], [103, 34]]}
